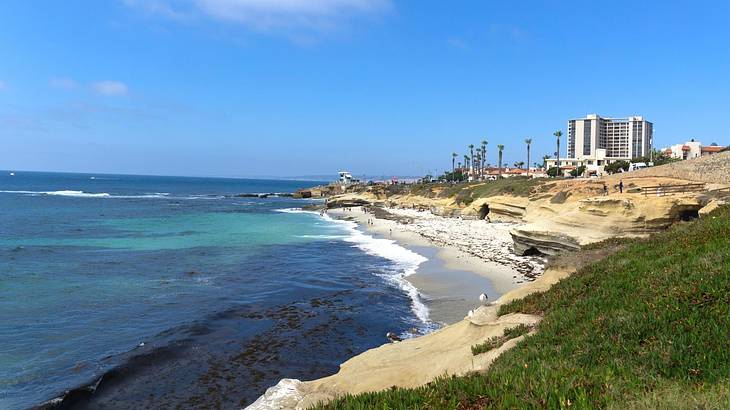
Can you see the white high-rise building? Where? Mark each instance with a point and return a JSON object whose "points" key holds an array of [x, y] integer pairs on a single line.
{"points": [[609, 139]]}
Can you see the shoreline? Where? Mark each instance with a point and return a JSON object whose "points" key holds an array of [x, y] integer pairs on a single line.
{"points": [[447, 350], [440, 241]]}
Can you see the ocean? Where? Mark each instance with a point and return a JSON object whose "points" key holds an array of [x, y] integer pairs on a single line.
{"points": [[121, 291]]}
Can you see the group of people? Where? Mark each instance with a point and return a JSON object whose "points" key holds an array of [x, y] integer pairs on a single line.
{"points": [[620, 187]]}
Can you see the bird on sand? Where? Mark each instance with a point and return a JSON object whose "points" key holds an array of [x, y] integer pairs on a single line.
{"points": [[393, 337], [483, 298]]}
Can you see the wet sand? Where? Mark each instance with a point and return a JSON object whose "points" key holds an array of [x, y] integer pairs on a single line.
{"points": [[451, 280]]}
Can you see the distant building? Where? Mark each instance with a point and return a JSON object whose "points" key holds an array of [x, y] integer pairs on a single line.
{"points": [[347, 179], [710, 150], [619, 138], [691, 149], [595, 141]]}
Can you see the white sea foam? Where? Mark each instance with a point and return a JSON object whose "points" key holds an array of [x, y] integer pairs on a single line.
{"points": [[406, 264], [82, 194], [406, 261], [295, 211]]}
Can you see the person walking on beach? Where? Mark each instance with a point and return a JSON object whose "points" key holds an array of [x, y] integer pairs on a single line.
{"points": [[605, 189], [621, 186]]}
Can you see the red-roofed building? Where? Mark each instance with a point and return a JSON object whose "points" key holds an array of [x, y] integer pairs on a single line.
{"points": [[692, 149]]}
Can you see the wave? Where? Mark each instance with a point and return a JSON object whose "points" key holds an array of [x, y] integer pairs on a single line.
{"points": [[323, 236], [82, 194], [406, 261], [406, 264], [79, 194], [296, 211]]}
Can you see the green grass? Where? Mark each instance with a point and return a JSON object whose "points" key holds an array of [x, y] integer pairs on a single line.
{"points": [[497, 341], [467, 192], [515, 186], [648, 327]]}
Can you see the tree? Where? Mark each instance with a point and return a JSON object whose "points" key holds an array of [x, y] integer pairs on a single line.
{"points": [[544, 160], [552, 172], [466, 161], [471, 155], [484, 155], [578, 171], [528, 141], [453, 160], [614, 167], [558, 134], [657, 158], [519, 164], [500, 147]]}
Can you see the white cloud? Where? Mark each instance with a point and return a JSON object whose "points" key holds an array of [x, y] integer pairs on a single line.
{"points": [[266, 15], [64, 83], [110, 88]]}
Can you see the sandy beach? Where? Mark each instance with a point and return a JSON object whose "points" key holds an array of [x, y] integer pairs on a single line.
{"points": [[465, 258]]}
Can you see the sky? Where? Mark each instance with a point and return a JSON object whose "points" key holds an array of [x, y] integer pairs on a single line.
{"points": [[247, 88]]}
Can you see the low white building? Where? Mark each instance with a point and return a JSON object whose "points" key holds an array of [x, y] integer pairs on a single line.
{"points": [[346, 178], [692, 149], [688, 150]]}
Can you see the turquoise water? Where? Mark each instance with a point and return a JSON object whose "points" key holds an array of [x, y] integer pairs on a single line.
{"points": [[171, 290]]}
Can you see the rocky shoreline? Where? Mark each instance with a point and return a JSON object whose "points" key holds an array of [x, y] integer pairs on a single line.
{"points": [[490, 242]]}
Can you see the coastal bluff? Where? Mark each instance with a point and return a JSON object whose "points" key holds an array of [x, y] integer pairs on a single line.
{"points": [[417, 361], [563, 215]]}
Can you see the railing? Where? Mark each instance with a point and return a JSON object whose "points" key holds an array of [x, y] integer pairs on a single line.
{"points": [[661, 190]]}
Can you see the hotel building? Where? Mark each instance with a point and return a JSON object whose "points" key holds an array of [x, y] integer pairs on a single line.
{"points": [[621, 138], [595, 141]]}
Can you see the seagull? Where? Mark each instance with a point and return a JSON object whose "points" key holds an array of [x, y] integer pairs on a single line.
{"points": [[393, 337], [471, 313], [483, 298]]}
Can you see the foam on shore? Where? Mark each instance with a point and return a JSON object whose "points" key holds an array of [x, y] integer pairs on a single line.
{"points": [[405, 261], [82, 194]]}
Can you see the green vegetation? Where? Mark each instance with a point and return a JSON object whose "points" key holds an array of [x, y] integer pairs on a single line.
{"points": [[657, 157], [497, 341], [578, 171], [516, 186], [647, 327], [552, 172], [614, 167]]}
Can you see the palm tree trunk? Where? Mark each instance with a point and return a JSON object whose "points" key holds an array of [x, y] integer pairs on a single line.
{"points": [[499, 175], [528, 160]]}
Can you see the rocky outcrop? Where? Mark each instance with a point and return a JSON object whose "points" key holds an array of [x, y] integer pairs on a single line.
{"points": [[711, 207], [531, 241], [349, 201], [556, 227]]}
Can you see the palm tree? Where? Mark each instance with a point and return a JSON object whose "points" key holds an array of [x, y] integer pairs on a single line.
{"points": [[528, 141], [500, 147], [471, 149], [558, 134], [453, 171], [484, 154], [478, 162], [544, 161], [519, 164], [466, 162]]}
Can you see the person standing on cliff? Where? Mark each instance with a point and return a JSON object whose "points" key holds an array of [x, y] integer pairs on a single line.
{"points": [[605, 189], [621, 186]]}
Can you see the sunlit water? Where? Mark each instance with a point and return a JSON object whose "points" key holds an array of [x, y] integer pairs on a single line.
{"points": [[180, 293]]}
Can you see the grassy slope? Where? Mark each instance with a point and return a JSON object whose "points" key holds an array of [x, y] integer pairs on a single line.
{"points": [[467, 192], [647, 327]]}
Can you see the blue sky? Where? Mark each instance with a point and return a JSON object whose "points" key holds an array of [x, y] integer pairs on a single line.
{"points": [[303, 87]]}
